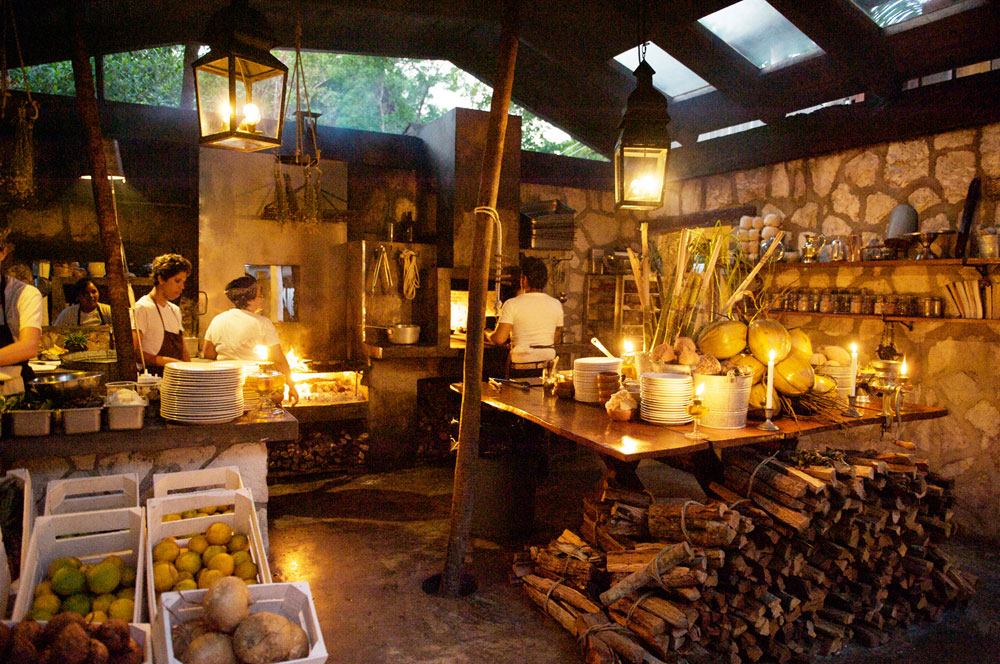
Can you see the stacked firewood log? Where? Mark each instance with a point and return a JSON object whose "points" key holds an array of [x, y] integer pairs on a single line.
{"points": [[796, 555]]}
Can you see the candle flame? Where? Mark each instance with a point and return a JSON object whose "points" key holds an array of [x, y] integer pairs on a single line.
{"points": [[261, 352], [701, 388], [854, 349], [251, 114], [902, 369], [628, 346], [771, 355]]}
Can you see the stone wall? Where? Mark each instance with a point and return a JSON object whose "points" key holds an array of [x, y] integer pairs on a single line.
{"points": [[854, 192]]}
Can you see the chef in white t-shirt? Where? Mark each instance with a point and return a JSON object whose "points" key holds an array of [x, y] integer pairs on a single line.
{"points": [[235, 334], [532, 321], [20, 329]]}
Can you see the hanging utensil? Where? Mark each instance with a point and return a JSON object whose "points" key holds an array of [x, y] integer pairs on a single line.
{"points": [[600, 347]]}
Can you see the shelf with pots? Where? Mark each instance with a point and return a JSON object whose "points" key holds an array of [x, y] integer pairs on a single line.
{"points": [[894, 319], [905, 262]]}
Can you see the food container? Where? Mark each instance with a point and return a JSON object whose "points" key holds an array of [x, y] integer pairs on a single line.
{"points": [[81, 420], [114, 386], [125, 417], [989, 245], [403, 334], [67, 383], [930, 307], [31, 422]]}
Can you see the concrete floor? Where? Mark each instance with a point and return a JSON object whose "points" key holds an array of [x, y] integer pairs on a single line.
{"points": [[366, 542]]}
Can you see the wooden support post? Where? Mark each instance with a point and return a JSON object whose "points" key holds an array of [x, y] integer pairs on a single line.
{"points": [[111, 240], [479, 265]]}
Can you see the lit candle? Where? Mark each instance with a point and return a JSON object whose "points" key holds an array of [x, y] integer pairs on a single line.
{"points": [[261, 352], [698, 392], [770, 380], [902, 369], [854, 370], [629, 347]]}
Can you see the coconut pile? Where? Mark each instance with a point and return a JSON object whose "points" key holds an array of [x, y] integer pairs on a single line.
{"points": [[731, 347], [227, 633], [68, 639]]}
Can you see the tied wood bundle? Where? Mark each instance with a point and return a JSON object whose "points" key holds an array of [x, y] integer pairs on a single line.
{"points": [[827, 548]]}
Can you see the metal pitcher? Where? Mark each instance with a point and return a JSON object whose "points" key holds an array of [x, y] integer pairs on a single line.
{"points": [[810, 250], [838, 251]]}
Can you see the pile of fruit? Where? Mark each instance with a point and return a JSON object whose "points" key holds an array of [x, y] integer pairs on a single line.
{"points": [[208, 556], [227, 633], [69, 639], [201, 511], [95, 591]]}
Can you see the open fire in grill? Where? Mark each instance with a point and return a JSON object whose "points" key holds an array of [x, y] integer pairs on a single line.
{"points": [[323, 387]]}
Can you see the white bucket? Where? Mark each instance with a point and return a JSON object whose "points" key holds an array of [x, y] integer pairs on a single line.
{"points": [[726, 398]]}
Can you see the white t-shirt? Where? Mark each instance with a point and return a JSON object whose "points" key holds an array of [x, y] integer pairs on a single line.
{"points": [[24, 306], [71, 315], [235, 334], [147, 321], [534, 318]]}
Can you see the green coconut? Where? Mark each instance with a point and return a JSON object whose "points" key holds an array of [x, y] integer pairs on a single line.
{"points": [[751, 363], [801, 344], [793, 376], [723, 339], [766, 335]]}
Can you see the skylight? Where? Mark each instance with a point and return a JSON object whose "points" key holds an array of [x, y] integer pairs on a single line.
{"points": [[672, 78], [759, 33], [887, 13]]}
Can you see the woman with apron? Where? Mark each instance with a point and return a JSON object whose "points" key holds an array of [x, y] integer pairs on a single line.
{"points": [[158, 322], [88, 310], [20, 328]]}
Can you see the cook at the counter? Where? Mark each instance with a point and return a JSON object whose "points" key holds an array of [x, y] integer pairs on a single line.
{"points": [[235, 334], [158, 321], [532, 321], [21, 328], [88, 310]]}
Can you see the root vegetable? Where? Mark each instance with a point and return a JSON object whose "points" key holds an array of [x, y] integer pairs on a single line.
{"points": [[58, 623], [299, 641], [114, 634], [132, 654], [226, 603], [70, 646], [22, 650], [98, 653], [211, 648], [262, 638], [183, 634]]}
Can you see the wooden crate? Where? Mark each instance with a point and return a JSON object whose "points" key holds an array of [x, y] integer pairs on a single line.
{"points": [[89, 536], [90, 494], [292, 600], [27, 516], [206, 479], [242, 520], [140, 632]]}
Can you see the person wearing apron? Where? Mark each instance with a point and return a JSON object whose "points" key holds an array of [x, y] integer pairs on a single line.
{"points": [[158, 322], [20, 328], [88, 310]]}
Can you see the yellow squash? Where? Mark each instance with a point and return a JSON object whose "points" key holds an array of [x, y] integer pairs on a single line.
{"points": [[793, 376], [801, 344], [723, 339], [764, 336], [750, 362], [758, 400], [823, 384]]}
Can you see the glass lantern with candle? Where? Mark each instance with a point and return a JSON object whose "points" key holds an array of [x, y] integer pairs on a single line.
{"points": [[267, 382], [629, 369], [697, 410]]}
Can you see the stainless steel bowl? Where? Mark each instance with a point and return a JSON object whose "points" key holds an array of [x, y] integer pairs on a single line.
{"points": [[68, 383], [403, 334]]}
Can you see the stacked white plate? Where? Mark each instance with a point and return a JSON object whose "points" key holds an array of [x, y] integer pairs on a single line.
{"points": [[585, 370], [250, 395], [201, 392], [664, 397]]}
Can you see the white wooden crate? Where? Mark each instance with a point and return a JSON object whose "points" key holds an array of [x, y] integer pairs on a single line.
{"points": [[242, 520], [89, 536], [4, 578], [292, 600], [140, 632], [206, 479], [27, 515], [90, 494]]}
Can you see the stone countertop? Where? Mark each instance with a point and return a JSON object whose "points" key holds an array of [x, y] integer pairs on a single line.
{"points": [[155, 436]]}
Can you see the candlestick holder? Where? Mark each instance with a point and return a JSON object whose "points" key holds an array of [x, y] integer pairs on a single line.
{"points": [[768, 425], [851, 410]]}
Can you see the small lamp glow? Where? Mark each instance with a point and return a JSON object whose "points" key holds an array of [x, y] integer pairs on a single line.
{"points": [[261, 352], [251, 115], [629, 348], [903, 368], [698, 392]]}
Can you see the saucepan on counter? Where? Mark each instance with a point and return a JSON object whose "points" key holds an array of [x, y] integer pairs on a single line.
{"points": [[401, 333]]}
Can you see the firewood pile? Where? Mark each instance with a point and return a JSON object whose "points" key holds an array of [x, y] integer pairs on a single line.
{"points": [[795, 556], [319, 450]]}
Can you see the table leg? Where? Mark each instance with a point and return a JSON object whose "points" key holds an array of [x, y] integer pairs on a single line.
{"points": [[704, 465], [622, 473]]}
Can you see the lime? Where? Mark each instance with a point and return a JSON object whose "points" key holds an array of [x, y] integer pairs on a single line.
{"points": [[104, 578], [246, 570], [126, 593], [96, 617], [188, 562], [63, 562], [166, 551], [164, 576], [219, 533], [102, 603], [79, 603], [43, 588], [68, 581], [118, 561], [240, 556], [186, 584], [209, 576], [39, 615], [128, 575], [211, 551], [122, 609], [238, 543], [198, 544], [47, 602]]}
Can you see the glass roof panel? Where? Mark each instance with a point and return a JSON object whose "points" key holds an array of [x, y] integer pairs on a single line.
{"points": [[886, 13], [759, 33], [671, 78]]}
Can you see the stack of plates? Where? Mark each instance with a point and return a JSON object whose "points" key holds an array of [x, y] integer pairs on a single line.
{"points": [[201, 392], [665, 397], [585, 370], [250, 395]]}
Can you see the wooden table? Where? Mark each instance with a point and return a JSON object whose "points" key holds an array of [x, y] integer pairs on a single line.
{"points": [[623, 444]]}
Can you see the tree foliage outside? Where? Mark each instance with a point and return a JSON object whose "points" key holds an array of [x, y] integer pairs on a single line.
{"points": [[371, 93]]}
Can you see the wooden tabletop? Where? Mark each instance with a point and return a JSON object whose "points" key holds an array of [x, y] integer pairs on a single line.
{"points": [[590, 426]]}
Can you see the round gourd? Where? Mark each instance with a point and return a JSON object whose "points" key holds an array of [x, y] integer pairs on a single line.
{"points": [[763, 336], [793, 376], [750, 362], [723, 339], [801, 344], [823, 384], [758, 400]]}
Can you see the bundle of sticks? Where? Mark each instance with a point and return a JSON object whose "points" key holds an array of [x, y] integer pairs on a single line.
{"points": [[788, 561]]}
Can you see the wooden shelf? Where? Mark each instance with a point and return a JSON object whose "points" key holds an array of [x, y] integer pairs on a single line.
{"points": [[898, 319], [908, 262]]}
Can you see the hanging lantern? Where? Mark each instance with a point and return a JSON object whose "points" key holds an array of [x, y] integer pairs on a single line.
{"points": [[239, 85], [643, 147]]}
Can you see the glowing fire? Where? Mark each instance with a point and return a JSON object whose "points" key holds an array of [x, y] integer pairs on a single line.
{"points": [[295, 362], [459, 310]]}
